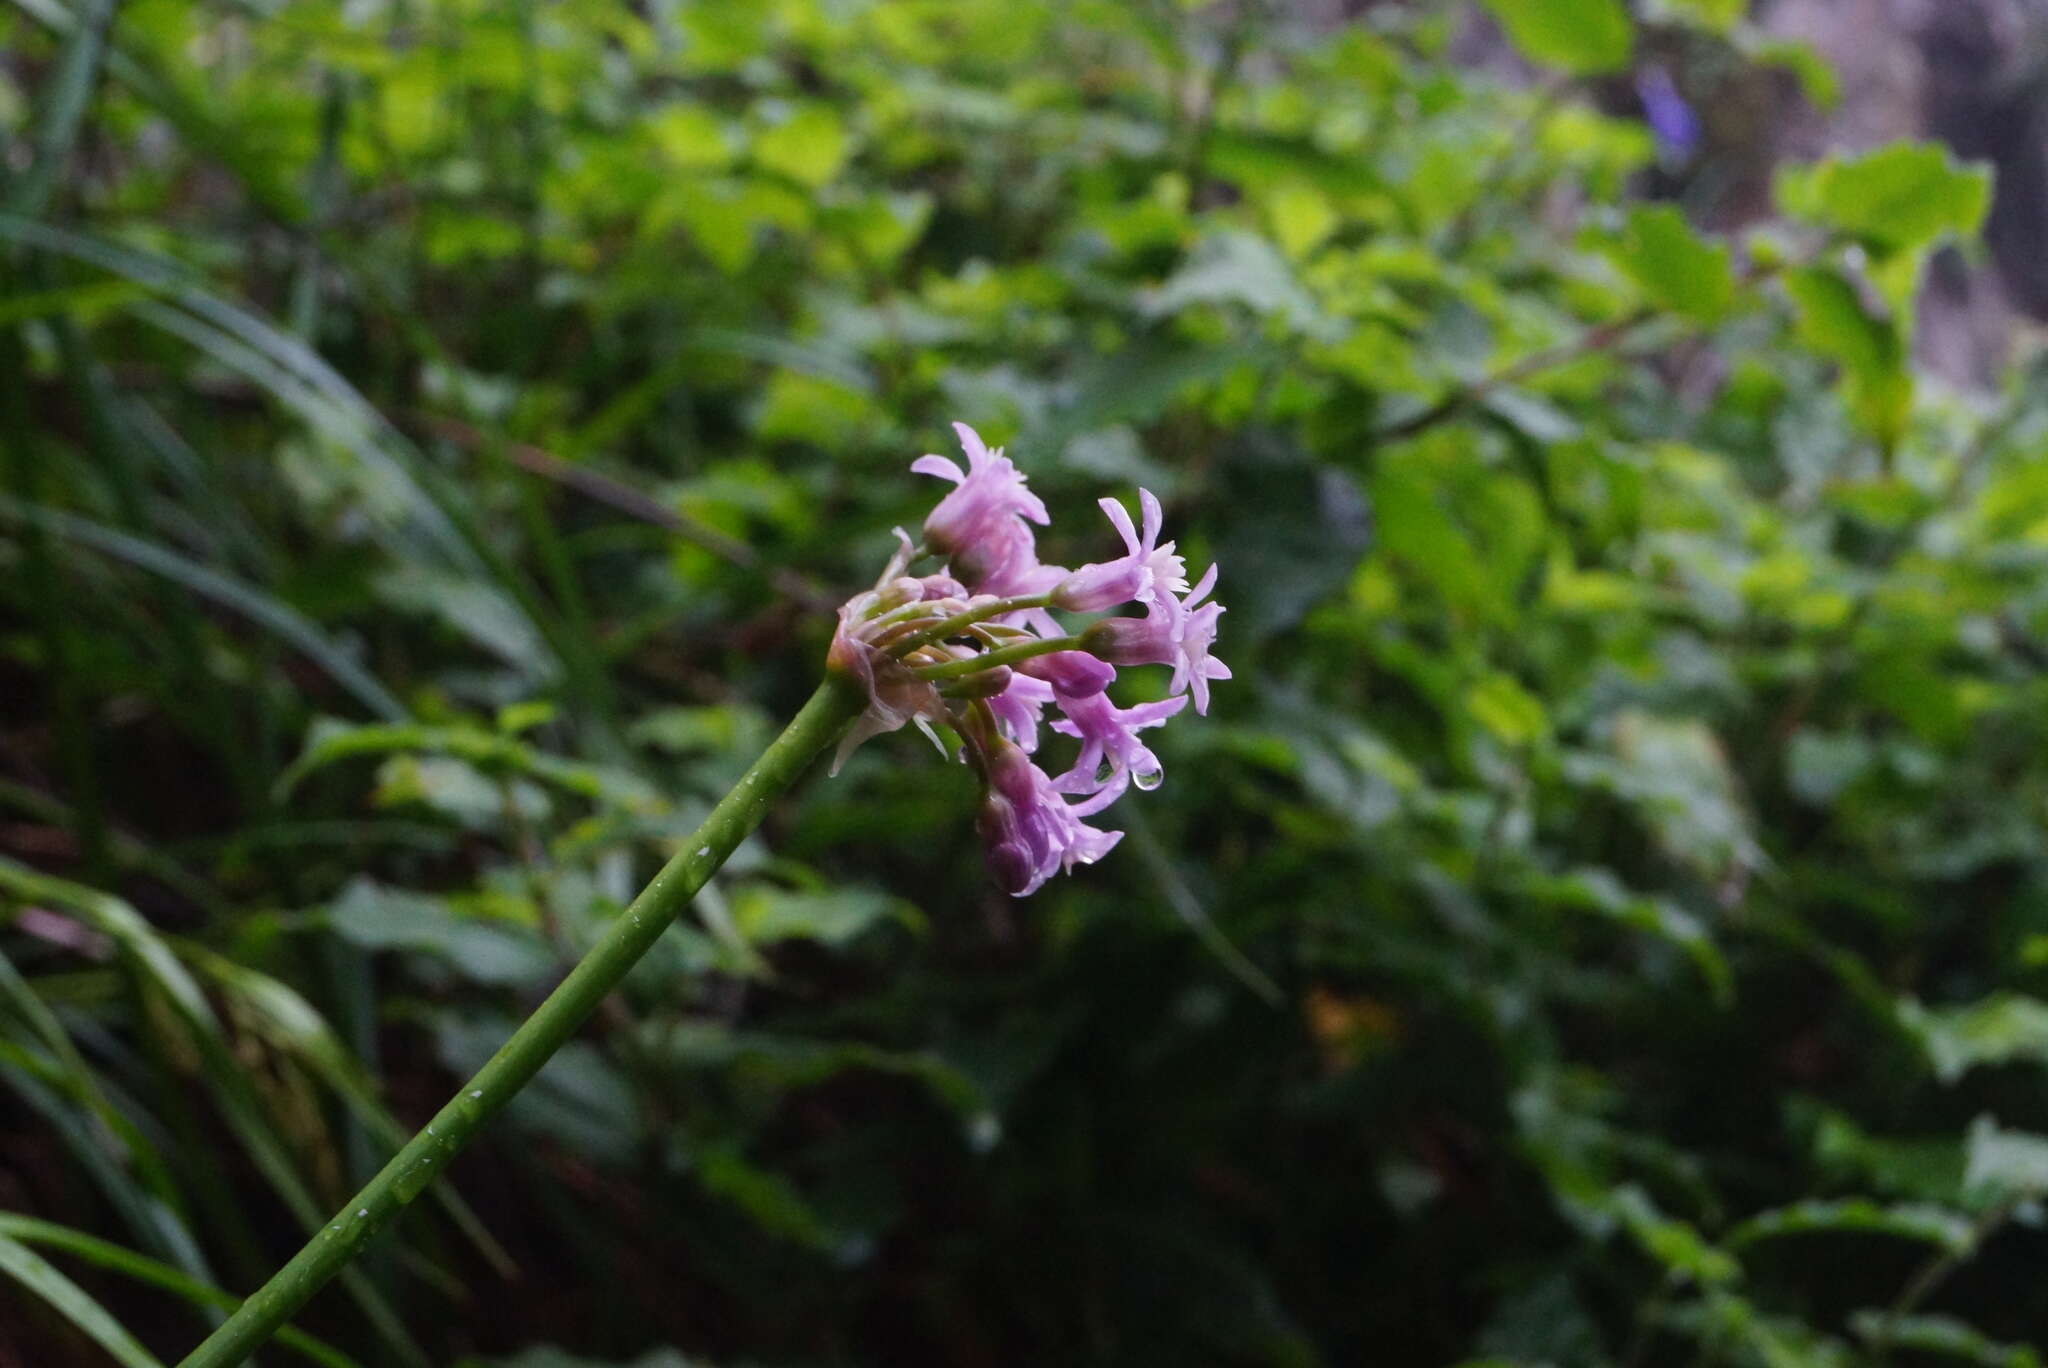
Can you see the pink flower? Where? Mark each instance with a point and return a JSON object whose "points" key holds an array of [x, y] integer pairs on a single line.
{"points": [[895, 694], [1109, 736], [1018, 707], [1173, 632], [1145, 567], [980, 526], [1030, 831], [977, 645], [1072, 674]]}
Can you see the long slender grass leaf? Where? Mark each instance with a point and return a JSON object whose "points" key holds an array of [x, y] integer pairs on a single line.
{"points": [[68, 1299], [129, 1264], [261, 608]]}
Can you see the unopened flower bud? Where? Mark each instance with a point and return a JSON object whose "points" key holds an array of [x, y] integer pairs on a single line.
{"points": [[1008, 855], [1130, 641], [1072, 674], [981, 684], [896, 593]]}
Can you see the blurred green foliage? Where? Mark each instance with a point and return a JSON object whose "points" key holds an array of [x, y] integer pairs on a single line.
{"points": [[1605, 921]]}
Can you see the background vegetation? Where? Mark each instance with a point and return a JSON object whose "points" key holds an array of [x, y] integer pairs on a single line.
{"points": [[1605, 922]]}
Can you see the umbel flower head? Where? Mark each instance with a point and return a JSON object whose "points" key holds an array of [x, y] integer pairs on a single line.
{"points": [[976, 647]]}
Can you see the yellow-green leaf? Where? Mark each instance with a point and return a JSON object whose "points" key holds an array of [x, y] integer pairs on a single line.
{"points": [[1581, 36]]}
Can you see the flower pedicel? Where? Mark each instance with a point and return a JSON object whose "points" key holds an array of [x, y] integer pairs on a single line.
{"points": [[976, 646]]}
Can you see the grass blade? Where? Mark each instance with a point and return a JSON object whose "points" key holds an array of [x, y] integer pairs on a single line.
{"points": [[69, 1300], [157, 969], [63, 113], [249, 602], [143, 1269]]}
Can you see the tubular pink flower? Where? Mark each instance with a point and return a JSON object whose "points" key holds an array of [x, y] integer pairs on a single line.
{"points": [[1173, 632], [980, 526], [1111, 753], [1030, 831], [976, 645], [1145, 567], [1072, 674], [1017, 709]]}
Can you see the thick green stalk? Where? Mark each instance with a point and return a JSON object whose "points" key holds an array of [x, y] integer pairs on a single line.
{"points": [[814, 729]]}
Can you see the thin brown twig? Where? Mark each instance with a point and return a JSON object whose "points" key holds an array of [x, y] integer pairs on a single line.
{"points": [[1594, 339], [1937, 1270], [616, 494]]}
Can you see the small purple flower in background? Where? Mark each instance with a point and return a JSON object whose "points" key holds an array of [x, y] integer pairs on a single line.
{"points": [[1673, 122], [975, 646]]}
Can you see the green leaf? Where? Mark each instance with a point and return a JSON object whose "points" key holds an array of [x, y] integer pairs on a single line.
{"points": [[268, 612], [1999, 1029], [1675, 266], [1675, 1244], [1817, 80], [1580, 36], [794, 1062], [2004, 1164], [691, 137], [33, 1272], [1238, 268], [1928, 1170], [1897, 197], [1942, 1335], [1946, 1230], [1834, 322], [1502, 706], [769, 1199], [809, 147], [159, 976], [378, 918], [330, 742], [128, 1264], [1597, 890], [765, 914], [1715, 16], [1301, 215]]}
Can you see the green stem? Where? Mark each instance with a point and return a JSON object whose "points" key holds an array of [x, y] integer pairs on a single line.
{"points": [[814, 729], [1006, 655], [939, 631]]}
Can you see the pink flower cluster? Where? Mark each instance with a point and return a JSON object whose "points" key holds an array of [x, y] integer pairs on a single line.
{"points": [[976, 647]]}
